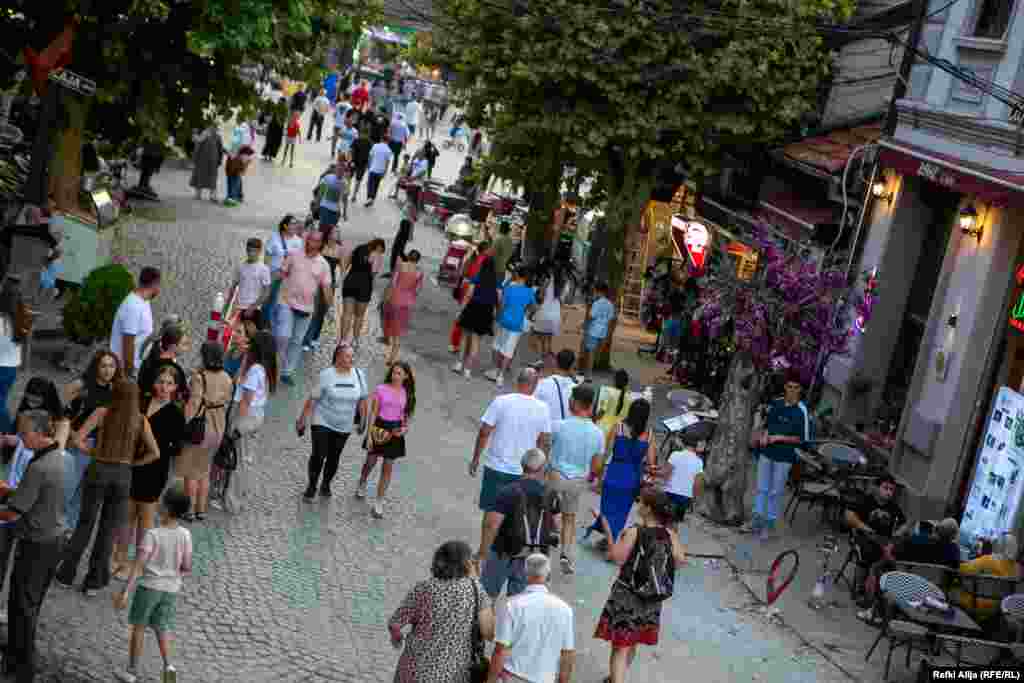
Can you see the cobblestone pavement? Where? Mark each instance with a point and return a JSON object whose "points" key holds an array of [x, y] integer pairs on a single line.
{"points": [[292, 591]]}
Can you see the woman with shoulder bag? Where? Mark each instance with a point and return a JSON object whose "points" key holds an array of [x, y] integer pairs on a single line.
{"points": [[258, 381], [337, 406], [632, 616], [391, 409], [210, 393], [449, 617]]}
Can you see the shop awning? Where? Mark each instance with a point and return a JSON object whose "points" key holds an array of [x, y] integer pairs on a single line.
{"points": [[793, 214], [999, 187], [829, 153]]}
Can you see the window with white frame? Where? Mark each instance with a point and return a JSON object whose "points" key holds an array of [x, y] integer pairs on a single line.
{"points": [[992, 18]]}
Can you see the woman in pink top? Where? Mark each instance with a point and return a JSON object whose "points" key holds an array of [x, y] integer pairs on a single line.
{"points": [[391, 406], [405, 285]]}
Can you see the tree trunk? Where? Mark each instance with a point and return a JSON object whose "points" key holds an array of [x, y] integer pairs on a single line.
{"points": [[632, 191], [728, 462], [544, 198], [66, 166]]}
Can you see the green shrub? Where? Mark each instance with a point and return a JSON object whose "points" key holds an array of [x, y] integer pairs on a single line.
{"points": [[89, 314]]}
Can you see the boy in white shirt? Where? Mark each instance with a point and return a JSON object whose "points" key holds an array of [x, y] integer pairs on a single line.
{"points": [[684, 480], [252, 277], [165, 555]]}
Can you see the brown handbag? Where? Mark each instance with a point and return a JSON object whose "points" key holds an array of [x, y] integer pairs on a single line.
{"points": [[24, 318]]}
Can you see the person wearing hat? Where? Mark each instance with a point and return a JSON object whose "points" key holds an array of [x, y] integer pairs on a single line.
{"points": [[786, 426]]}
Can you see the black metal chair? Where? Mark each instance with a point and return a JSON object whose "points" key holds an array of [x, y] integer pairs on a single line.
{"points": [[897, 587]]}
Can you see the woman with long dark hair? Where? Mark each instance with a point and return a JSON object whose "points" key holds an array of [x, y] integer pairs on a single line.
{"points": [[163, 350], [631, 451], [630, 619], [287, 238], [477, 318], [357, 289], [83, 397], [258, 381], [167, 421], [392, 405], [10, 349], [105, 488]]}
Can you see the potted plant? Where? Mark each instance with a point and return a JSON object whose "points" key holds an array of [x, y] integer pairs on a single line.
{"points": [[89, 314]]}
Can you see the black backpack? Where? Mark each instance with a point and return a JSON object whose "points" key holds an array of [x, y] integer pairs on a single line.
{"points": [[654, 567], [531, 529]]}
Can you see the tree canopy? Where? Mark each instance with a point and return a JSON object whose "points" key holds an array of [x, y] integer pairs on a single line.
{"points": [[160, 65], [628, 88]]}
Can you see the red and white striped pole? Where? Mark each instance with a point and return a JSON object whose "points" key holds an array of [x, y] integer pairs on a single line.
{"points": [[216, 318]]}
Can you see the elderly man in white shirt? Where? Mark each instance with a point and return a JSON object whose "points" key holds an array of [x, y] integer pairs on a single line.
{"points": [[534, 638]]}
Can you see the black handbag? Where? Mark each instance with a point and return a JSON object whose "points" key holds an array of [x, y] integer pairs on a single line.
{"points": [[226, 456], [195, 430], [479, 664]]}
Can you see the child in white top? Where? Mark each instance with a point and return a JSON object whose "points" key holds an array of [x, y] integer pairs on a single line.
{"points": [[165, 555], [252, 277]]}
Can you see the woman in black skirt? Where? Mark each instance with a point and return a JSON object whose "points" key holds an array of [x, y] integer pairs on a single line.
{"points": [[391, 407], [357, 289], [477, 318]]}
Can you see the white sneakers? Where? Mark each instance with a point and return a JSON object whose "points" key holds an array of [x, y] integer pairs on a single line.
{"points": [[361, 491], [378, 510], [458, 367], [493, 374]]}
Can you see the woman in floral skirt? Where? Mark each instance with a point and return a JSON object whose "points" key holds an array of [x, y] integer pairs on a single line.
{"points": [[628, 619]]}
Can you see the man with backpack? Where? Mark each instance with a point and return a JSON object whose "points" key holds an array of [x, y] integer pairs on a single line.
{"points": [[525, 520]]}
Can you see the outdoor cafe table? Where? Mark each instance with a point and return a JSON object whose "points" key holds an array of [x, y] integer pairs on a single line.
{"points": [[955, 620]]}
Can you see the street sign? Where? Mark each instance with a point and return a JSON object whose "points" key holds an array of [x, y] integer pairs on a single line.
{"points": [[72, 81]]}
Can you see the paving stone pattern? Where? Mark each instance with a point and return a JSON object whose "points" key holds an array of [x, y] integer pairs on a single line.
{"points": [[293, 591]]}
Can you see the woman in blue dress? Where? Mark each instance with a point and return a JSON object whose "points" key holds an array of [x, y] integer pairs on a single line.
{"points": [[632, 452]]}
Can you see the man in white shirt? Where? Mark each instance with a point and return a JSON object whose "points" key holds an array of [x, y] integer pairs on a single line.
{"points": [[133, 322], [380, 157], [412, 115], [341, 111], [321, 108], [512, 424], [534, 638], [556, 389]]}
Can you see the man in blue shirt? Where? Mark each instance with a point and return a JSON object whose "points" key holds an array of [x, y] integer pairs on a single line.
{"points": [[516, 297], [576, 445], [787, 425], [596, 327]]}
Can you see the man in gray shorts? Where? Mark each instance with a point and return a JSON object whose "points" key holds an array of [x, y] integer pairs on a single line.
{"points": [[577, 446]]}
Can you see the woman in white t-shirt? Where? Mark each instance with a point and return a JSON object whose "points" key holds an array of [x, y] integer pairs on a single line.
{"points": [[684, 480], [337, 405], [286, 239], [547, 321], [258, 380]]}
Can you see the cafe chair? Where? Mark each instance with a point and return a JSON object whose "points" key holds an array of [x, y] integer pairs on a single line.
{"points": [[939, 574], [841, 454], [990, 589], [897, 587], [1010, 654]]}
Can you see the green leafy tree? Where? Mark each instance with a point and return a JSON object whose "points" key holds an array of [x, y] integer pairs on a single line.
{"points": [[633, 87], [163, 67]]}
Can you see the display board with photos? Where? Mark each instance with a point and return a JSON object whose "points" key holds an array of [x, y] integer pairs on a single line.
{"points": [[996, 487]]}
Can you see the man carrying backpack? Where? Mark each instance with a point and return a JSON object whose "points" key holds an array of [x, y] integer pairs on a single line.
{"points": [[525, 520]]}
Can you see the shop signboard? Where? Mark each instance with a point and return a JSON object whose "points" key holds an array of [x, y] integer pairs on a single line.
{"points": [[997, 484], [81, 248], [691, 238]]}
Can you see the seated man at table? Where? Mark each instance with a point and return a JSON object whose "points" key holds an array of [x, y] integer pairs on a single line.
{"points": [[874, 522]]}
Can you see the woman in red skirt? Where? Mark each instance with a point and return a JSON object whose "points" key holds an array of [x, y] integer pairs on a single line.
{"points": [[406, 282], [455, 338], [629, 619]]}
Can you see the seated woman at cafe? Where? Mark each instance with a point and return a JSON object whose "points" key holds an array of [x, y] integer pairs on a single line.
{"points": [[875, 521], [1002, 562]]}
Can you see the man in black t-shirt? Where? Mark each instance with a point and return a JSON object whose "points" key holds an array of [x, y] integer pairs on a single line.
{"points": [[875, 521], [525, 521]]}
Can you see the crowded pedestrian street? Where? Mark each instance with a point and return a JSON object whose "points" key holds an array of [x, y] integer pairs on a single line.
{"points": [[296, 590]]}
